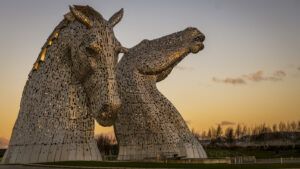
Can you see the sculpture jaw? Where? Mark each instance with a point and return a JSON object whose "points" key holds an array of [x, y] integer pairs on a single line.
{"points": [[196, 48]]}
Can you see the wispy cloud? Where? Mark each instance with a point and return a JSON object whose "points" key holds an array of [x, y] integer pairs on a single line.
{"points": [[226, 123], [260, 76], [234, 81], [257, 76]]}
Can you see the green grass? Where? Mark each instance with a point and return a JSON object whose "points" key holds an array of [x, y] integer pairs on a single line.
{"points": [[258, 153], [172, 165]]}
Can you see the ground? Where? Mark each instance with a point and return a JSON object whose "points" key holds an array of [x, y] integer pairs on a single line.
{"points": [[114, 165], [212, 152], [175, 165]]}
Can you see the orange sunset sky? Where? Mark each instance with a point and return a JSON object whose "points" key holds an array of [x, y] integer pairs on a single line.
{"points": [[248, 72]]}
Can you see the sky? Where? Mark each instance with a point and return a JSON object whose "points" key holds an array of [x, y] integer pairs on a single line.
{"points": [[248, 72]]}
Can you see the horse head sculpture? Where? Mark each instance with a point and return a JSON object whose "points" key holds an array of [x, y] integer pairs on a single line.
{"points": [[148, 125], [94, 58], [71, 84]]}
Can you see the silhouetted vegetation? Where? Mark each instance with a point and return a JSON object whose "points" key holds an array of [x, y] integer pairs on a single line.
{"points": [[262, 141], [2, 151], [107, 145], [277, 134]]}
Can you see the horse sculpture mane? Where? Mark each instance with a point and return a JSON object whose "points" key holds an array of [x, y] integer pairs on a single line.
{"points": [[72, 83], [68, 18]]}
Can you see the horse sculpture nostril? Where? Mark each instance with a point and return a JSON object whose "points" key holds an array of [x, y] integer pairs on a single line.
{"points": [[202, 37], [199, 38]]}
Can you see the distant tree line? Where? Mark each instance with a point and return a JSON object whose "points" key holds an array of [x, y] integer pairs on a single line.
{"points": [[242, 132], [108, 145]]}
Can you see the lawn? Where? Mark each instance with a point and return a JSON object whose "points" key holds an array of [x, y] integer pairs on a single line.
{"points": [[258, 153], [172, 165]]}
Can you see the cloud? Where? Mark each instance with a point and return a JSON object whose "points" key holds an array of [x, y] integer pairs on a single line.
{"points": [[279, 73], [234, 81], [257, 76], [299, 68], [226, 123], [260, 76]]}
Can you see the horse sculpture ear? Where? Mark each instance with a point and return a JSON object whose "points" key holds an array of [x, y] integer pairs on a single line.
{"points": [[81, 17], [116, 17]]}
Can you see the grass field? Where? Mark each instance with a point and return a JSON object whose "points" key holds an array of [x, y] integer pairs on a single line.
{"points": [[258, 153], [173, 165]]}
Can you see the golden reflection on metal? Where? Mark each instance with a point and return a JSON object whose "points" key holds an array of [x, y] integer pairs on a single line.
{"points": [[43, 55], [36, 65], [50, 42], [94, 46], [55, 35], [81, 17]]}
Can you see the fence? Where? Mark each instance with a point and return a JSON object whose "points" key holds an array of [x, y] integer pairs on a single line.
{"points": [[227, 160], [253, 160]]}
